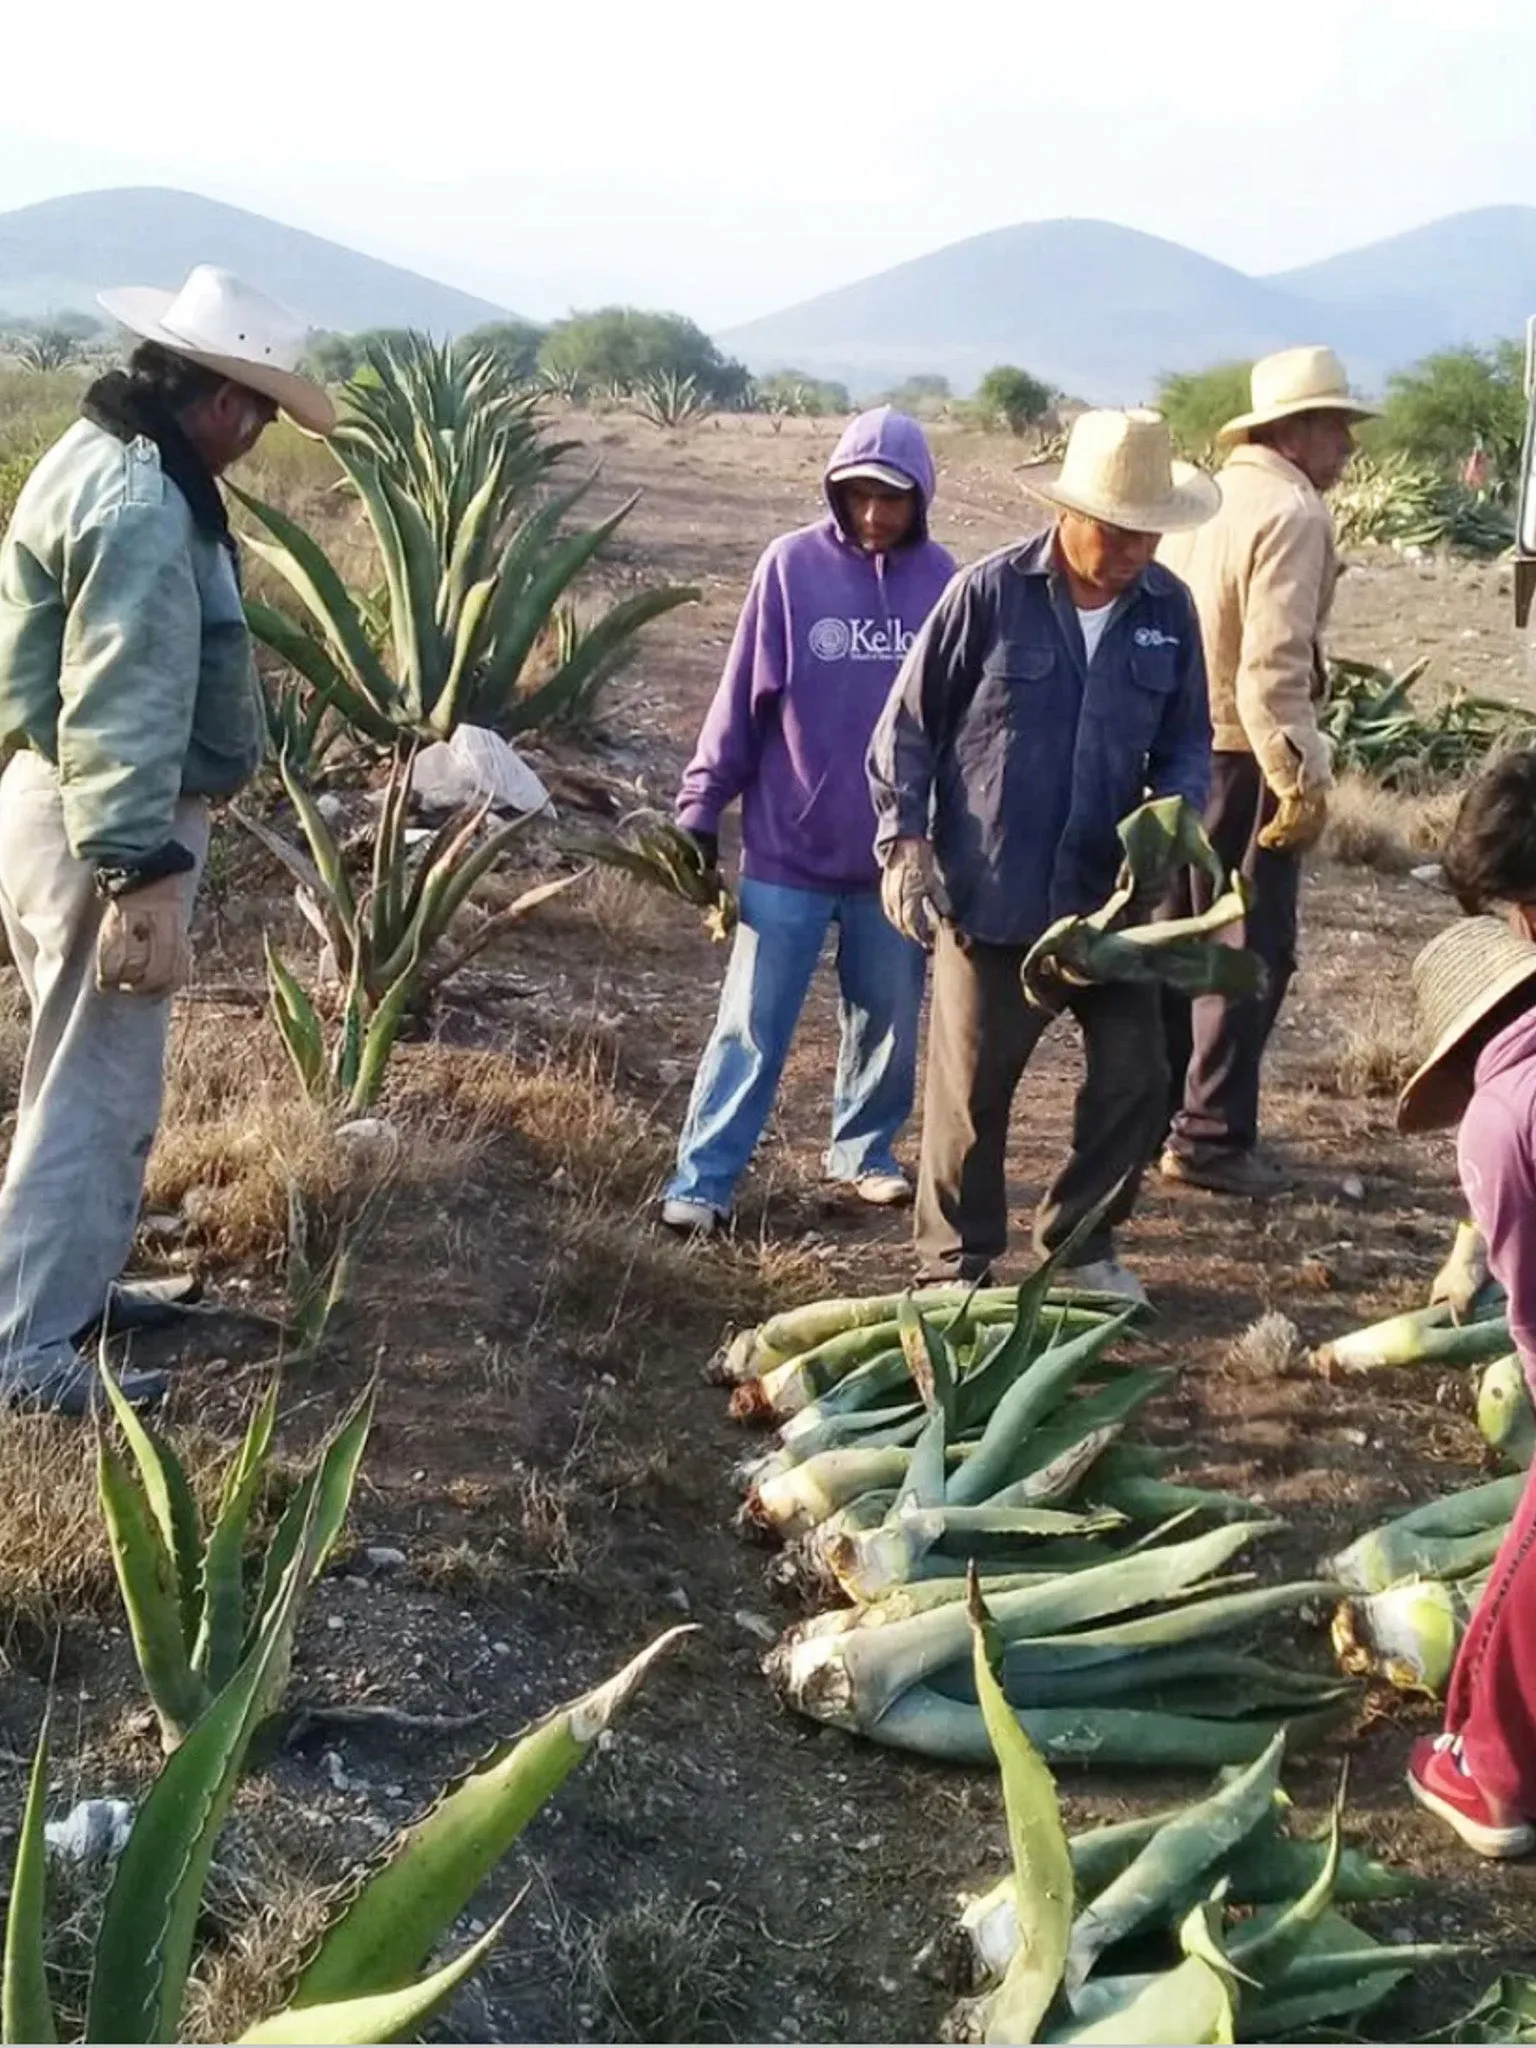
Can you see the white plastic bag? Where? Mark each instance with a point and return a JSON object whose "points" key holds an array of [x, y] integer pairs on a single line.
{"points": [[474, 765]]}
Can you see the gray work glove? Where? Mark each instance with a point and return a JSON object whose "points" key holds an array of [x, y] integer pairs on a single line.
{"points": [[1465, 1273], [906, 891]]}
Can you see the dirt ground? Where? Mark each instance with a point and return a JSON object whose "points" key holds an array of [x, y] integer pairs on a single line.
{"points": [[549, 1481]]}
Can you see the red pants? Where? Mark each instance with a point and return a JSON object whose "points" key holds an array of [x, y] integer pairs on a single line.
{"points": [[1492, 1700]]}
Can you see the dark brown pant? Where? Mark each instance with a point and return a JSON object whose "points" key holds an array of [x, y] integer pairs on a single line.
{"points": [[981, 1032], [1216, 1047]]}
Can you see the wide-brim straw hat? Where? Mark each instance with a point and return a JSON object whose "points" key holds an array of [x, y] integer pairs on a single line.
{"points": [[1295, 380], [1119, 469], [227, 325], [1460, 980]]}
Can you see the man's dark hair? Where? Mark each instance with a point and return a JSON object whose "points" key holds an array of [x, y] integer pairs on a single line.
{"points": [[1490, 856], [175, 381]]}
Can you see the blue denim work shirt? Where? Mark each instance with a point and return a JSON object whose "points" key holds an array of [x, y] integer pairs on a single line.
{"points": [[1018, 758]]}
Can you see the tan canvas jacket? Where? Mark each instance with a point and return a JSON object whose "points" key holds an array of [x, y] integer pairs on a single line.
{"points": [[1263, 573]]}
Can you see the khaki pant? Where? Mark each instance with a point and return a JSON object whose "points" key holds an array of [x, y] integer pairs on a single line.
{"points": [[981, 1032], [91, 1088]]}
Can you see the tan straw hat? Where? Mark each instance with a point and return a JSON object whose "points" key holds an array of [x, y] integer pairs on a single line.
{"points": [[228, 326], [1119, 469], [1293, 381], [1459, 981]]}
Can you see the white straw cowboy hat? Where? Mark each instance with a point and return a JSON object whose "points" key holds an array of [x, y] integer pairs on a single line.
{"points": [[1293, 381], [228, 326], [1119, 469], [1460, 981]]}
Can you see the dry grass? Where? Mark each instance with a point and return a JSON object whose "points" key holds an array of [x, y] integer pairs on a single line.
{"points": [[535, 1538], [1382, 829], [1379, 1052], [55, 1561], [238, 1139], [625, 1291], [263, 1923], [657, 1970], [54, 1557], [1267, 1349], [13, 1034], [627, 912], [235, 1137], [590, 1141]]}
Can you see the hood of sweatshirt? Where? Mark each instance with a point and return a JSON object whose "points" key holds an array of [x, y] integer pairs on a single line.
{"points": [[896, 439]]}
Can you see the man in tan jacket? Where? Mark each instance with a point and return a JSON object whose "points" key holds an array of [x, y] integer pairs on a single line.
{"points": [[1262, 573]]}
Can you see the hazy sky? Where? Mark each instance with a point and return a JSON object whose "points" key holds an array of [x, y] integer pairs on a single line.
{"points": [[727, 159]]}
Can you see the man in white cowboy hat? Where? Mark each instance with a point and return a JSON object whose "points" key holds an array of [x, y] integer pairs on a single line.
{"points": [[1263, 575], [1058, 683], [128, 698]]}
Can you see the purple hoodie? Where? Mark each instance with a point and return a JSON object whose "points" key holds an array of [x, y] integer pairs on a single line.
{"points": [[817, 647], [1496, 1152]]}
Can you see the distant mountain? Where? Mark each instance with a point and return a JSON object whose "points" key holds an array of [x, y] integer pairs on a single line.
{"points": [[57, 255], [1102, 311], [1471, 277]]}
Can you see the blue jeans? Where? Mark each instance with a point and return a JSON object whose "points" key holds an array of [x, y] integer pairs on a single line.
{"points": [[880, 978]]}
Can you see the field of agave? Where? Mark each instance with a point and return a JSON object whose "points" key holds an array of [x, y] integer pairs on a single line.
{"points": [[991, 1551]]}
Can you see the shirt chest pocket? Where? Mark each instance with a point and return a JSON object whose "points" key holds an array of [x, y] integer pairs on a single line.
{"points": [[1153, 678], [1017, 687]]}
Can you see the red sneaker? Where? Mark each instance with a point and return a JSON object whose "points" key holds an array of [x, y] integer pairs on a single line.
{"points": [[1439, 1780]]}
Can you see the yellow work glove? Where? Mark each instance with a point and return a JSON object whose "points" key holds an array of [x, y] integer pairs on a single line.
{"points": [[142, 947], [906, 890], [1465, 1273], [1298, 824]]}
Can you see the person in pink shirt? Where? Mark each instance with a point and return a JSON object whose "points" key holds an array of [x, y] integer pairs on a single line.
{"points": [[1476, 989]]}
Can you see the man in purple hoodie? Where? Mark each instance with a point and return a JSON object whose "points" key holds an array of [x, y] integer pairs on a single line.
{"points": [[831, 611]]}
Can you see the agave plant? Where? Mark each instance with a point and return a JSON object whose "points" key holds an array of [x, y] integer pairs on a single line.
{"points": [[302, 726], [363, 1980], [463, 626], [582, 659], [390, 941], [668, 400], [191, 1615], [442, 421], [562, 381], [50, 348]]}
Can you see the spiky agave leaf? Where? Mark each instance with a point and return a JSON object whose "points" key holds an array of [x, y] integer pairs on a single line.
{"points": [[384, 1933], [144, 1949], [26, 2010], [1037, 1842]]}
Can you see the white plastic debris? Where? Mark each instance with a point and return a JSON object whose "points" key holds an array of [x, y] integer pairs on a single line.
{"points": [[473, 766], [92, 1832]]}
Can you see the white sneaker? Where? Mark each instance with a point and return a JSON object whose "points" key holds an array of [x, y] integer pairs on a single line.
{"points": [[1103, 1276], [692, 1219], [883, 1190]]}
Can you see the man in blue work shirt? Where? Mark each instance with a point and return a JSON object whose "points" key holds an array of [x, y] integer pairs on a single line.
{"points": [[1058, 685]]}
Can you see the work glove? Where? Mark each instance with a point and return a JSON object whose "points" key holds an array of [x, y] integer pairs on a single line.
{"points": [[1465, 1273], [708, 844], [906, 891], [1298, 824], [142, 947]]}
